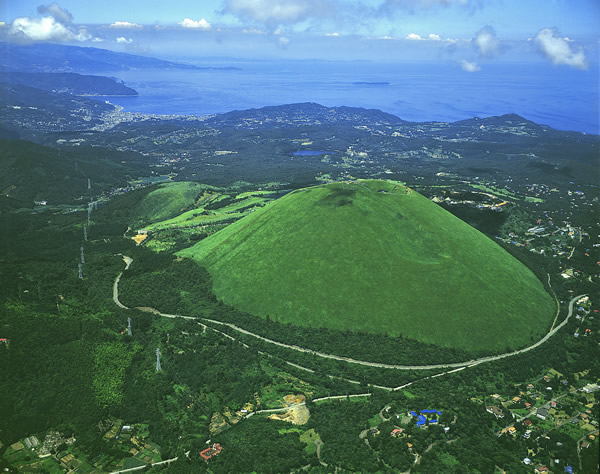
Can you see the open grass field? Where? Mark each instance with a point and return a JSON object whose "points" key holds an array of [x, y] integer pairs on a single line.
{"points": [[168, 201], [199, 216], [373, 256]]}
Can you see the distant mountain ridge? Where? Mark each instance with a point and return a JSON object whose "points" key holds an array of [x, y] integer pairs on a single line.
{"points": [[68, 82], [49, 57], [308, 113]]}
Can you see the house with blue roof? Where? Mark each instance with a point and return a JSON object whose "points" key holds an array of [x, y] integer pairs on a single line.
{"points": [[426, 416]]}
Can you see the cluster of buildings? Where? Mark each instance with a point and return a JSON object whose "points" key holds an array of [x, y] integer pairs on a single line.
{"points": [[211, 451]]}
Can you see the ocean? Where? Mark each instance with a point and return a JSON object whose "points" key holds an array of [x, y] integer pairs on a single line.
{"points": [[561, 97]]}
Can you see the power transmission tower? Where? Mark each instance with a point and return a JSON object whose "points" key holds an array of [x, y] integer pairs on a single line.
{"points": [[129, 332], [89, 212], [80, 267], [85, 233], [89, 183], [158, 369], [82, 256]]}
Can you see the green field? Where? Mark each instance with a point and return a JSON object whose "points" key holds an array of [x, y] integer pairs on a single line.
{"points": [[373, 256], [168, 200]]}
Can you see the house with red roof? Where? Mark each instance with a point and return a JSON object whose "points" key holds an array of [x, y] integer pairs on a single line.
{"points": [[211, 452]]}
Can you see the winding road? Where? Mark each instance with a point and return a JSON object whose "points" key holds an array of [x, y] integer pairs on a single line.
{"points": [[455, 365]]}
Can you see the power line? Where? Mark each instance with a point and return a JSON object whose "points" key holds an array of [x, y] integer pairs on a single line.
{"points": [[158, 368]]}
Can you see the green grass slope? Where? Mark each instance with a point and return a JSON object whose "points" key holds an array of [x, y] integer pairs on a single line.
{"points": [[373, 256], [168, 200]]}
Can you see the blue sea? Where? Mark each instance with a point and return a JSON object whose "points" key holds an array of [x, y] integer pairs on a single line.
{"points": [[561, 97]]}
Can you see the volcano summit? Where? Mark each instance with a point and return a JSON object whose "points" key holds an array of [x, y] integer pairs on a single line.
{"points": [[375, 256]]}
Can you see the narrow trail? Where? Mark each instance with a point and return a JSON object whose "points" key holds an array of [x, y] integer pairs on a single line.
{"points": [[455, 365]]}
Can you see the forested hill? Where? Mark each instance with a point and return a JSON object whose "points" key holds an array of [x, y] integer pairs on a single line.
{"points": [[307, 113], [31, 172], [68, 82]]}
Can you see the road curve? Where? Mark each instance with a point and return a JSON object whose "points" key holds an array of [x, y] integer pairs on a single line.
{"points": [[453, 365]]}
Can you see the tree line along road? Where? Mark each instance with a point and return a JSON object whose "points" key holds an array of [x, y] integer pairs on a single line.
{"points": [[454, 365]]}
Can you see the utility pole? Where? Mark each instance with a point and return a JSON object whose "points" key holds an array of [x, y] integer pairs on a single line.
{"points": [[129, 330], [82, 257], [80, 267], [158, 368]]}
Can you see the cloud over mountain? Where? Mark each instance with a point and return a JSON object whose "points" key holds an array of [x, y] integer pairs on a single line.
{"points": [[55, 26], [61, 15]]}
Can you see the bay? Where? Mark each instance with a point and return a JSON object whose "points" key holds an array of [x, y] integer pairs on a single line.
{"points": [[561, 97]]}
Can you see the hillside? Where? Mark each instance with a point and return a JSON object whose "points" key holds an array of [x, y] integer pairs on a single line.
{"points": [[31, 111], [48, 57], [31, 172], [302, 114], [68, 82], [373, 256]]}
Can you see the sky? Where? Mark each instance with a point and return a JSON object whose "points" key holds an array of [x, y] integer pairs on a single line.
{"points": [[470, 33]]}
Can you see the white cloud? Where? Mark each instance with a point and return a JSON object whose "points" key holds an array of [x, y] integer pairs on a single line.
{"points": [[558, 50], [469, 66], [255, 31], [430, 37], [122, 39], [487, 43], [83, 35], [276, 12], [55, 26], [284, 42], [124, 24], [332, 34], [40, 29], [199, 24], [391, 6], [277, 31], [59, 14]]}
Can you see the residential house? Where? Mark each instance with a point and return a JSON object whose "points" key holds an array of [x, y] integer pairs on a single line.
{"points": [[211, 452], [542, 413], [494, 410], [527, 422]]}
